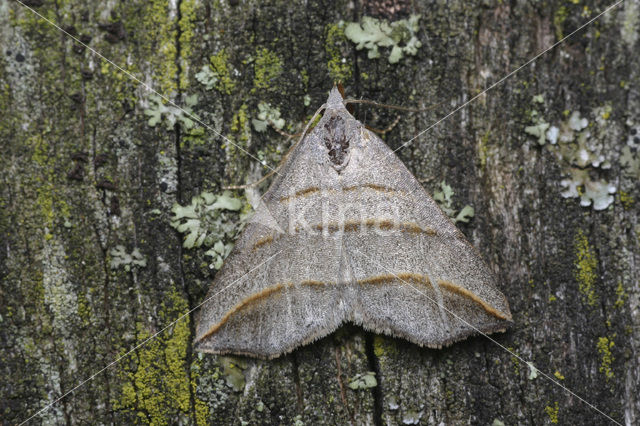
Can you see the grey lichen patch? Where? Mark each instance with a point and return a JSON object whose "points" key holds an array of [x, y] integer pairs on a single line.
{"points": [[444, 198], [211, 221], [583, 151], [169, 115], [412, 417], [371, 34], [363, 381], [121, 259], [533, 371], [267, 115]]}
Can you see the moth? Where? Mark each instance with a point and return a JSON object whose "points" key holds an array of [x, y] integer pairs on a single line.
{"points": [[345, 233]]}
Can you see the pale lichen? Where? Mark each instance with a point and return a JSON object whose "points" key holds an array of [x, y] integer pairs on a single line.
{"points": [[211, 221], [169, 115], [371, 34], [267, 115], [443, 197], [581, 149], [363, 381], [120, 258]]}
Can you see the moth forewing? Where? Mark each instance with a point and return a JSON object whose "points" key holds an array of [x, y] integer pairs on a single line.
{"points": [[357, 239]]}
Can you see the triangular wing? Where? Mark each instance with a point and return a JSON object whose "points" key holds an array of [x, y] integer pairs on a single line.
{"points": [[415, 274], [282, 278], [345, 232]]}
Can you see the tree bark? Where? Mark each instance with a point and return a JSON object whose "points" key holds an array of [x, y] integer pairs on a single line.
{"points": [[84, 169]]}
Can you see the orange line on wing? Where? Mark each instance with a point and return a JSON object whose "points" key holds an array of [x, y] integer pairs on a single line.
{"points": [[301, 193], [404, 276], [263, 241], [242, 304], [373, 186], [385, 225], [453, 288], [254, 298], [314, 189]]}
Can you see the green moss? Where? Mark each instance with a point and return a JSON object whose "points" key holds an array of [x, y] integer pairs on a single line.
{"points": [[585, 268], [159, 27], [240, 123], [186, 25], [483, 149], [383, 347], [84, 309], [552, 412], [157, 385], [267, 68], [626, 199], [621, 296], [340, 70], [558, 21], [220, 66], [604, 346]]}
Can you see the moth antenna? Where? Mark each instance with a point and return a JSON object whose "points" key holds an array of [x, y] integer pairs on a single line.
{"points": [[252, 184], [387, 129], [282, 132], [274, 171], [401, 108]]}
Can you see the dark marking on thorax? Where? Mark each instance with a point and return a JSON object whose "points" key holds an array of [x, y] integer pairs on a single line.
{"points": [[336, 140]]}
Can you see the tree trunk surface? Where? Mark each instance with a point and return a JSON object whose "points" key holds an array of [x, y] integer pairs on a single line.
{"points": [[92, 164]]}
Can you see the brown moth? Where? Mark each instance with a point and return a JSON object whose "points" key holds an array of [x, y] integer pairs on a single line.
{"points": [[346, 233]]}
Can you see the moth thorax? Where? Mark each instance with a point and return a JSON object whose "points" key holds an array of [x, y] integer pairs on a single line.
{"points": [[336, 140]]}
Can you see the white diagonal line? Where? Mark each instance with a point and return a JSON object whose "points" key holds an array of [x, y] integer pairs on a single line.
{"points": [[144, 342], [149, 88], [508, 75], [491, 339]]}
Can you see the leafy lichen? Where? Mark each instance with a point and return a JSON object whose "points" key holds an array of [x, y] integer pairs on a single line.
{"points": [[371, 34], [363, 381], [210, 221], [580, 147], [120, 258], [169, 115], [444, 198], [268, 115]]}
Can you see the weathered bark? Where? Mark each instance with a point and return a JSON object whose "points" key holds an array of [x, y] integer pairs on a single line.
{"points": [[569, 272]]}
